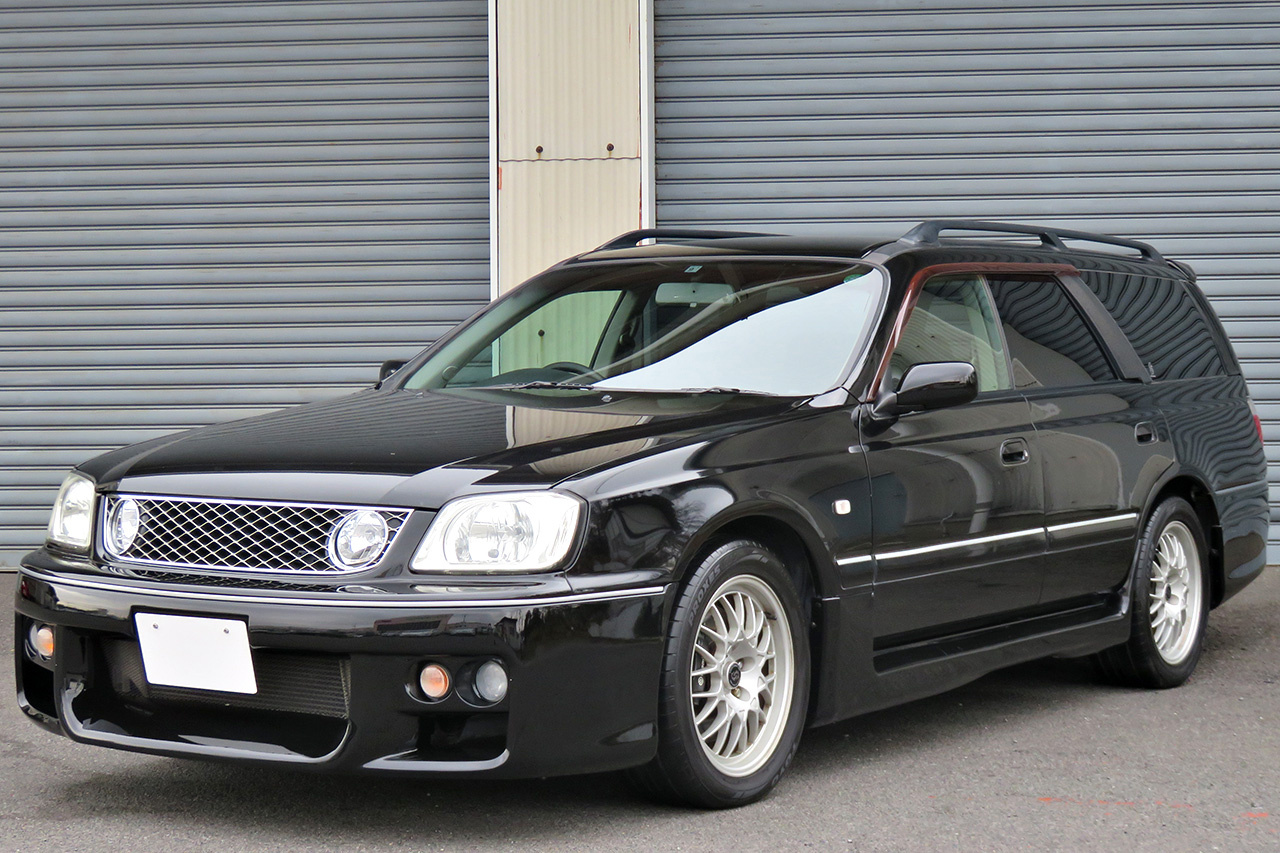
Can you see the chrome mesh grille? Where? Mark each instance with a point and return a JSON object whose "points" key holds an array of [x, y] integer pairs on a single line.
{"points": [[251, 536]]}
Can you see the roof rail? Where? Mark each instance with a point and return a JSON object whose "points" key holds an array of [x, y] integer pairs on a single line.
{"points": [[1184, 268], [635, 238], [927, 232]]}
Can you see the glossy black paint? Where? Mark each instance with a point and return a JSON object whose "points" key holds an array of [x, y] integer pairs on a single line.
{"points": [[938, 477], [926, 540], [929, 386], [1097, 430]]}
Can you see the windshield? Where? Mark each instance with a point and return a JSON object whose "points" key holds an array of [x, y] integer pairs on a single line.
{"points": [[785, 327]]}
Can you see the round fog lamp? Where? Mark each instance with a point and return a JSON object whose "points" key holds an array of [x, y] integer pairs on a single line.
{"points": [[434, 681], [491, 681], [123, 526], [42, 641], [358, 539]]}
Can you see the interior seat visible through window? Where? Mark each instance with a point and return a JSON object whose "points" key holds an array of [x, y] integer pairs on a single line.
{"points": [[953, 320]]}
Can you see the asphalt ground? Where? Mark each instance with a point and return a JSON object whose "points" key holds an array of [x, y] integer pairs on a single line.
{"points": [[1038, 757]]}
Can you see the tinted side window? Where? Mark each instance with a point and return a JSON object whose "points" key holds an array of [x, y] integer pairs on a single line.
{"points": [[1049, 341], [953, 320], [1162, 322]]}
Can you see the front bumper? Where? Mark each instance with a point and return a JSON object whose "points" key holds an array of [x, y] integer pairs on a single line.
{"points": [[336, 678]]}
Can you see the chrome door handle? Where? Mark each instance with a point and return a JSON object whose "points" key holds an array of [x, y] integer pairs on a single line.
{"points": [[1145, 433], [1014, 452]]}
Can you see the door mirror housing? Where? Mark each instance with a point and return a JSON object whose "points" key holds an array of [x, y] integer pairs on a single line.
{"points": [[934, 385], [389, 367]]}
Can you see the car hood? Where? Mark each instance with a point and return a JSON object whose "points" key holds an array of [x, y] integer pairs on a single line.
{"points": [[419, 448]]}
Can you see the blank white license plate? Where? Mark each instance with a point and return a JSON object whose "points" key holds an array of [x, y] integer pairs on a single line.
{"points": [[196, 652]]}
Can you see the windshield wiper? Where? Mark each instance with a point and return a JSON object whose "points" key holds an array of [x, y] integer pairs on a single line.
{"points": [[539, 385], [720, 389], [542, 384]]}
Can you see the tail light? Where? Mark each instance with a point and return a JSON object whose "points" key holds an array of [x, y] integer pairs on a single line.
{"points": [[1257, 421]]}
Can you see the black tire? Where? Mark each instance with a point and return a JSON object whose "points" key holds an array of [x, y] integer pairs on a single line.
{"points": [[1149, 658], [686, 772]]}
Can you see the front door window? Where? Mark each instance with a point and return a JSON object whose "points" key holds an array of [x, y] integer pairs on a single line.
{"points": [[953, 320]]}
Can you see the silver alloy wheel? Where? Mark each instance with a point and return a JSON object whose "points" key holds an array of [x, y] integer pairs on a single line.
{"points": [[742, 675], [1176, 590]]}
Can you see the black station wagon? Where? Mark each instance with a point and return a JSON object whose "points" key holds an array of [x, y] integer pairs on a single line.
{"points": [[665, 505]]}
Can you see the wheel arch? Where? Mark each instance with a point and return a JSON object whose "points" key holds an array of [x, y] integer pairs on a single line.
{"points": [[806, 557], [779, 528], [1194, 490]]}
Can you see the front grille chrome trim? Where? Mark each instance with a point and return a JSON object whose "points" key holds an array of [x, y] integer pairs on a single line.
{"points": [[240, 537], [248, 502]]}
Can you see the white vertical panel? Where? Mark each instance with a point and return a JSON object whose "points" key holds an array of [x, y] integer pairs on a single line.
{"points": [[552, 209], [568, 129], [574, 79], [648, 155]]}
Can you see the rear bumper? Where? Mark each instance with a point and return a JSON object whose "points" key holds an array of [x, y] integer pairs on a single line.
{"points": [[336, 679], [1245, 514]]}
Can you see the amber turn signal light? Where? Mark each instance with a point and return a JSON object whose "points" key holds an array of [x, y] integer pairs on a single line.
{"points": [[41, 638], [434, 681]]}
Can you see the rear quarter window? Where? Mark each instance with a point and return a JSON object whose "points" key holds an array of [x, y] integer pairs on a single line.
{"points": [[1163, 323], [1050, 343]]}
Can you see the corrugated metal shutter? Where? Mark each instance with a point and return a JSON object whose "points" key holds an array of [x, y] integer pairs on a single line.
{"points": [[209, 210], [1153, 120]]}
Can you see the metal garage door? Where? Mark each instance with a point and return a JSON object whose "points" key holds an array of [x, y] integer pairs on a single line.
{"points": [[209, 210], [1158, 121]]}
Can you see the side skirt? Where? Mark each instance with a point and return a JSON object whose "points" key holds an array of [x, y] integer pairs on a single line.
{"points": [[898, 656], [868, 680]]}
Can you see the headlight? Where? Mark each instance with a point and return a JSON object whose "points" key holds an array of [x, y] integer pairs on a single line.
{"points": [[512, 532], [71, 524]]}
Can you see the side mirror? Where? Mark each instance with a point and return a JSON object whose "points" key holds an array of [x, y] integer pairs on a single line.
{"points": [[936, 385], [388, 368]]}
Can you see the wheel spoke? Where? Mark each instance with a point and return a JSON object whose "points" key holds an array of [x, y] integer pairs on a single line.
{"points": [[738, 743], [750, 620], [706, 712], [720, 721], [737, 610], [722, 630], [755, 720], [724, 608], [1179, 557], [764, 639], [723, 732], [719, 637]]}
